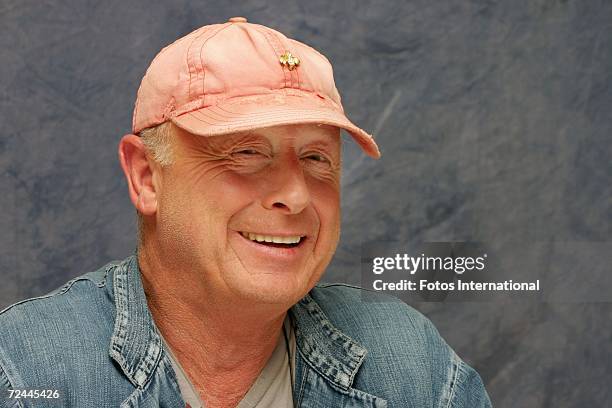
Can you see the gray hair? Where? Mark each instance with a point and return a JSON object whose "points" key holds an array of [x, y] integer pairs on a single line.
{"points": [[158, 143]]}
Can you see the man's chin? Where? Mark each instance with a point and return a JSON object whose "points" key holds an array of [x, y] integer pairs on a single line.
{"points": [[272, 290]]}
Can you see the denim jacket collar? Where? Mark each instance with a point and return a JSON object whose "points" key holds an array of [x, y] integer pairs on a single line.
{"points": [[330, 352], [136, 344]]}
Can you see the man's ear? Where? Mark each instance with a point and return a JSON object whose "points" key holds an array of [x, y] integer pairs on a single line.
{"points": [[139, 174]]}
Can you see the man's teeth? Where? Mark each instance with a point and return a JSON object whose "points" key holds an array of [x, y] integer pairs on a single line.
{"points": [[270, 238]]}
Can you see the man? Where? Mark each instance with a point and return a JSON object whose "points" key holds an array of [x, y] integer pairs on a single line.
{"points": [[234, 169]]}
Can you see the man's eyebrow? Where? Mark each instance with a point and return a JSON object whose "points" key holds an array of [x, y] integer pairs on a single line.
{"points": [[223, 142], [327, 143]]}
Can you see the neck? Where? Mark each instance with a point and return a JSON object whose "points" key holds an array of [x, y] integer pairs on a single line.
{"points": [[222, 344]]}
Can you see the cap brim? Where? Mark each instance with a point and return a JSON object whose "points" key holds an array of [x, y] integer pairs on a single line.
{"points": [[248, 113]]}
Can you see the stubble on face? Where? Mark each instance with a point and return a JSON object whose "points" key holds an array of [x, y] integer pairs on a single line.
{"points": [[278, 180]]}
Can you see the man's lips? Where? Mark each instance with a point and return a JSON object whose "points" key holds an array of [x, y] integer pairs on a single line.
{"points": [[280, 254], [279, 240]]}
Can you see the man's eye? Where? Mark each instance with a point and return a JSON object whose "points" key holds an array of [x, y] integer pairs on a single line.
{"points": [[317, 157], [247, 152]]}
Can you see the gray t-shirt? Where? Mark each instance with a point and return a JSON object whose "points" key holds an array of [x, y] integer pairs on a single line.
{"points": [[273, 387]]}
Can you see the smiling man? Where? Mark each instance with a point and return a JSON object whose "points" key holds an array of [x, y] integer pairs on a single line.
{"points": [[233, 165]]}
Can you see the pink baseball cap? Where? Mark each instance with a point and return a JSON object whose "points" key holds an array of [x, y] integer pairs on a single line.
{"points": [[238, 76]]}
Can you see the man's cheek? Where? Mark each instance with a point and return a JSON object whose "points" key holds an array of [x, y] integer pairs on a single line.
{"points": [[233, 188]]}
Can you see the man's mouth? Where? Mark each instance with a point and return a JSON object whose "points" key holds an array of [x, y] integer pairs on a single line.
{"points": [[274, 240]]}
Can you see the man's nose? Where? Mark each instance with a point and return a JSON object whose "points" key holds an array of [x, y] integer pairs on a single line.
{"points": [[287, 189]]}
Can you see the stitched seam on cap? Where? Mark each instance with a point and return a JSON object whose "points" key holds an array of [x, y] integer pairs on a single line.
{"points": [[137, 103], [296, 70], [203, 61], [270, 39], [187, 62], [212, 34], [230, 118]]}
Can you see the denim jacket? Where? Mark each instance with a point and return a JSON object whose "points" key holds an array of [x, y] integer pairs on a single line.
{"points": [[93, 343]]}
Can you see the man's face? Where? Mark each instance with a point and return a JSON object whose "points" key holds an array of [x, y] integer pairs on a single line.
{"points": [[224, 195]]}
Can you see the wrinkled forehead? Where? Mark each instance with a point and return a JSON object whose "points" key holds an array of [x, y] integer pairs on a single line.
{"points": [[325, 137]]}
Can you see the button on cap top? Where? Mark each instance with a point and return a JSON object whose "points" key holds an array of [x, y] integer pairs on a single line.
{"points": [[237, 20]]}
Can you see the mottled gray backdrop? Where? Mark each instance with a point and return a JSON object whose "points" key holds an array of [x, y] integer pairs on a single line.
{"points": [[494, 118]]}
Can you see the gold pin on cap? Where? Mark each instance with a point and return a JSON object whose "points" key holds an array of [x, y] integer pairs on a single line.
{"points": [[289, 61]]}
